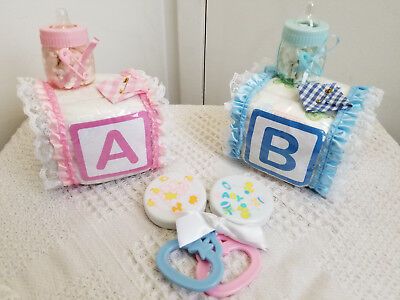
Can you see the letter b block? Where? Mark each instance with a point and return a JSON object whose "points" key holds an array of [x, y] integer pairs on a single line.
{"points": [[283, 148]]}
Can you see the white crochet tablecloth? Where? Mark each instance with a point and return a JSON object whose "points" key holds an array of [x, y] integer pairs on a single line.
{"points": [[95, 242]]}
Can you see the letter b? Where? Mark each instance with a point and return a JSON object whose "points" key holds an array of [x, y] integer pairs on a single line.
{"points": [[286, 153]]}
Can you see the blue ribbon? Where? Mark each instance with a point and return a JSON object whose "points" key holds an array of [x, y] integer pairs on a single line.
{"points": [[308, 62]]}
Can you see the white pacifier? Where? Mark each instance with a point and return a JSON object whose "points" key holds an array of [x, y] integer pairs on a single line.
{"points": [[241, 200], [169, 195]]}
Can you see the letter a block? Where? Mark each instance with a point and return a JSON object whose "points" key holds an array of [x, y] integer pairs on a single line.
{"points": [[281, 147], [110, 129], [112, 147]]}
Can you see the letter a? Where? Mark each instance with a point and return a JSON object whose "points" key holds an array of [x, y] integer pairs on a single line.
{"points": [[105, 156]]}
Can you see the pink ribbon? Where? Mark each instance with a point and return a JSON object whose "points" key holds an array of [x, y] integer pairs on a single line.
{"points": [[76, 66], [126, 85]]}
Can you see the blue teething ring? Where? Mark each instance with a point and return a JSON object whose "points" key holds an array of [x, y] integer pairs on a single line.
{"points": [[208, 248]]}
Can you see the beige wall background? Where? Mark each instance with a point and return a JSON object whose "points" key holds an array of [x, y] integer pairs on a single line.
{"points": [[166, 38]]}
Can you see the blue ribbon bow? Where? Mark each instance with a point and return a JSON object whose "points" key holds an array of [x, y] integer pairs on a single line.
{"points": [[308, 62]]}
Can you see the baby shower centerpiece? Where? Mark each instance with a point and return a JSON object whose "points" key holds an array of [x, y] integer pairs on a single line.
{"points": [[90, 128], [293, 124]]}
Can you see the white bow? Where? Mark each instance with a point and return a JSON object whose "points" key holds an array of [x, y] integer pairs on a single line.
{"points": [[193, 225]]}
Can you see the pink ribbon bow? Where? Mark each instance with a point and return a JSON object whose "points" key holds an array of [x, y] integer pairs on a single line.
{"points": [[126, 85], [76, 64]]}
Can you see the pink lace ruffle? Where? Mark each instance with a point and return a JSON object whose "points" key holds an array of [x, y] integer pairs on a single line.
{"points": [[58, 130], [155, 118], [154, 102]]}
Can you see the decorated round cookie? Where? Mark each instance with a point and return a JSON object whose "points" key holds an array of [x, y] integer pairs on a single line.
{"points": [[241, 200], [171, 194]]}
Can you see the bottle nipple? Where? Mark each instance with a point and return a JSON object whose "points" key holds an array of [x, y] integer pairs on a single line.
{"points": [[62, 19], [309, 8]]}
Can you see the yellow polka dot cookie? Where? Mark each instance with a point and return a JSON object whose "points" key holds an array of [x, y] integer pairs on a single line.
{"points": [[169, 195]]}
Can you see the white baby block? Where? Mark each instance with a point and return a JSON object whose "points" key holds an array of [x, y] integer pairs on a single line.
{"points": [[282, 139]]}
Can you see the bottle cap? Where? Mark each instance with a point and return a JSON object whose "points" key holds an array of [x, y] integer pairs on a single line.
{"points": [[301, 33], [63, 34]]}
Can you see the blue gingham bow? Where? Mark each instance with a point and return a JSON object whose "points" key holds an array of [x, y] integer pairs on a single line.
{"points": [[322, 97]]}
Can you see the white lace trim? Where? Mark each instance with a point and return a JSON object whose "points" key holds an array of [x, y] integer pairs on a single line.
{"points": [[39, 124], [240, 78], [156, 96], [359, 134]]}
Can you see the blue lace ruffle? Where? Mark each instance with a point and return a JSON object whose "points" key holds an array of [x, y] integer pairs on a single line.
{"points": [[240, 104], [332, 151]]}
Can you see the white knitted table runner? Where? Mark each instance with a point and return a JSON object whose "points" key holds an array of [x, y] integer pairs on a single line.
{"points": [[95, 242]]}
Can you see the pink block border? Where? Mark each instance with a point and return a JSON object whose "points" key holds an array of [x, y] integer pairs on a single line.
{"points": [[78, 150]]}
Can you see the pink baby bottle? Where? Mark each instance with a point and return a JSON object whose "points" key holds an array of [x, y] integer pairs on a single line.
{"points": [[67, 53]]}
